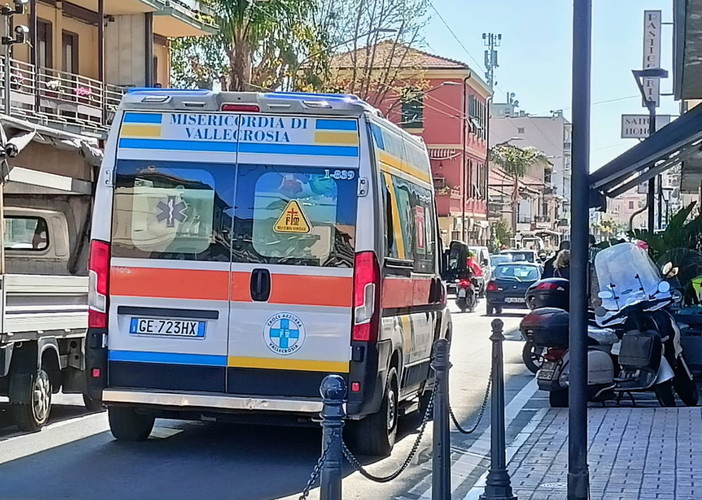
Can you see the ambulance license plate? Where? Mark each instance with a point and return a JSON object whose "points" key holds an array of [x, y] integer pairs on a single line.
{"points": [[172, 327]]}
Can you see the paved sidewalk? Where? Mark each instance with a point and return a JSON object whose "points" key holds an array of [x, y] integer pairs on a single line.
{"points": [[634, 453]]}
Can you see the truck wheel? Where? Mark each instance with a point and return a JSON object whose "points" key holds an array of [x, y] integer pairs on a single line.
{"points": [[375, 434], [558, 399], [128, 425], [92, 405], [32, 416]]}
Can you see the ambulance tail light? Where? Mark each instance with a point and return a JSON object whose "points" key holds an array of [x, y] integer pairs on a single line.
{"points": [[241, 108], [98, 283], [366, 303]]}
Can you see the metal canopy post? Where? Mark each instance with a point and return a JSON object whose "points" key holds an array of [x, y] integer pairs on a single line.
{"points": [[651, 105], [578, 476]]}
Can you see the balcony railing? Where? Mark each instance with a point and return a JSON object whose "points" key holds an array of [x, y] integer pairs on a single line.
{"points": [[59, 99]]}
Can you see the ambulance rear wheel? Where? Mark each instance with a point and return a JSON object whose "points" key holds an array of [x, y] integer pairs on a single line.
{"points": [[375, 434], [128, 425]]}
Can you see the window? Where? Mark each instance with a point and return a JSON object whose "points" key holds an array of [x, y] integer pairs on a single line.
{"points": [[477, 113], [412, 222], [69, 50], [26, 233], [295, 215], [520, 130], [631, 205], [44, 52], [412, 109], [172, 210]]}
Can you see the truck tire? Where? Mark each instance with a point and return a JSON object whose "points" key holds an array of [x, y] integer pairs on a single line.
{"points": [[128, 425], [375, 434], [32, 416]]}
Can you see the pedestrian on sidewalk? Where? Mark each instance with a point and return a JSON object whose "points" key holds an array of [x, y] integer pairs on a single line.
{"points": [[562, 264], [549, 267]]}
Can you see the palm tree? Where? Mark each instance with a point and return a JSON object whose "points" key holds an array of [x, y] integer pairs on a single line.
{"points": [[516, 162]]}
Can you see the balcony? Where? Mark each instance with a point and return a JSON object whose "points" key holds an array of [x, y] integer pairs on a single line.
{"points": [[68, 101]]}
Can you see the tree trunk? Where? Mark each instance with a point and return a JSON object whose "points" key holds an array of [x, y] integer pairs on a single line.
{"points": [[240, 66]]}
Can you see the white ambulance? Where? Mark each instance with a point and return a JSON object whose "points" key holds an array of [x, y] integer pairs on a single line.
{"points": [[245, 245]]}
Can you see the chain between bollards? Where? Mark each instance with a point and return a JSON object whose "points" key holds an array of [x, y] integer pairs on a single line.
{"points": [[497, 484], [441, 463]]}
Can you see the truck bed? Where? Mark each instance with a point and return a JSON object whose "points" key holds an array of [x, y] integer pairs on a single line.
{"points": [[36, 305]]}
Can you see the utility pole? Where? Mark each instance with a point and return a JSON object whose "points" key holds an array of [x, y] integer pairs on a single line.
{"points": [[8, 150], [578, 475], [491, 41]]}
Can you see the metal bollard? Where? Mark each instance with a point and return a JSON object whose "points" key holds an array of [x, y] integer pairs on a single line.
{"points": [[333, 391], [441, 462], [497, 484]]}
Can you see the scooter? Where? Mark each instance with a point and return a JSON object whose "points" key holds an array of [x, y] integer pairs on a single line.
{"points": [[631, 335], [548, 292], [466, 295]]}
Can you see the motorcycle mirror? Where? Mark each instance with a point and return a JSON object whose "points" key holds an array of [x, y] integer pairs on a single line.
{"points": [[674, 272], [663, 287], [605, 294], [667, 267], [600, 311]]}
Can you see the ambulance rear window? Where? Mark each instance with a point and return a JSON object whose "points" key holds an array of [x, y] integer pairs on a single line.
{"points": [[295, 215]]}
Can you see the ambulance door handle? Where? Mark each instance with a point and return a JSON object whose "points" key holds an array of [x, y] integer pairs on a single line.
{"points": [[260, 285]]}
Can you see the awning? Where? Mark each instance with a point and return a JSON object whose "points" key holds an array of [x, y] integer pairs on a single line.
{"points": [[679, 141], [442, 153]]}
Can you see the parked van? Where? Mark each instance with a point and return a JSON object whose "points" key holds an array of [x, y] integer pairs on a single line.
{"points": [[245, 245]]}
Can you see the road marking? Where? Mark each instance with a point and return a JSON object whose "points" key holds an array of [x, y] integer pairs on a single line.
{"points": [[480, 449], [23, 445]]}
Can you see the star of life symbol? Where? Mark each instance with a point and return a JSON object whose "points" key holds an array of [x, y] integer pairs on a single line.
{"points": [[284, 333], [171, 210]]}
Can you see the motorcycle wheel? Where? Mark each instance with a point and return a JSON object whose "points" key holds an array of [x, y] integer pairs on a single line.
{"points": [[532, 357], [664, 394], [685, 387], [558, 399]]}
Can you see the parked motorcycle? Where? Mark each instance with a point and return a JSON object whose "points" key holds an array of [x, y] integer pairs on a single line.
{"points": [[549, 292], [467, 294], [632, 334]]}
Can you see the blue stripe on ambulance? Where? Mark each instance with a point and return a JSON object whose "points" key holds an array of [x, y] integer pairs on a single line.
{"points": [[336, 125], [150, 118], [168, 358]]}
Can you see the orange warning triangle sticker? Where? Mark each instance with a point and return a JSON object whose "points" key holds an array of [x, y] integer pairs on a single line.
{"points": [[292, 220]]}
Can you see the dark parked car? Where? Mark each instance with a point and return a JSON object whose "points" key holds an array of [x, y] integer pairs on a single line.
{"points": [[509, 284]]}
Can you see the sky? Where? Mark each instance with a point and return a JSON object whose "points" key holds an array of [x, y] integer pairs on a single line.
{"points": [[535, 57]]}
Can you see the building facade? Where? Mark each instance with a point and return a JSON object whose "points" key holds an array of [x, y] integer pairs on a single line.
{"points": [[548, 211], [445, 103]]}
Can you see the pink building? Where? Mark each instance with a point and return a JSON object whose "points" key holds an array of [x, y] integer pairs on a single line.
{"points": [[445, 103]]}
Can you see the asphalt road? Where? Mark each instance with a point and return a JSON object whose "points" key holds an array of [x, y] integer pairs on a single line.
{"points": [[75, 456]]}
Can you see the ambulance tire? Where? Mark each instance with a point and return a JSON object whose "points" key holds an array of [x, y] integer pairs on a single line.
{"points": [[375, 434], [128, 425]]}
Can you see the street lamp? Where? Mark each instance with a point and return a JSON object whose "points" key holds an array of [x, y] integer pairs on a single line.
{"points": [[639, 75]]}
